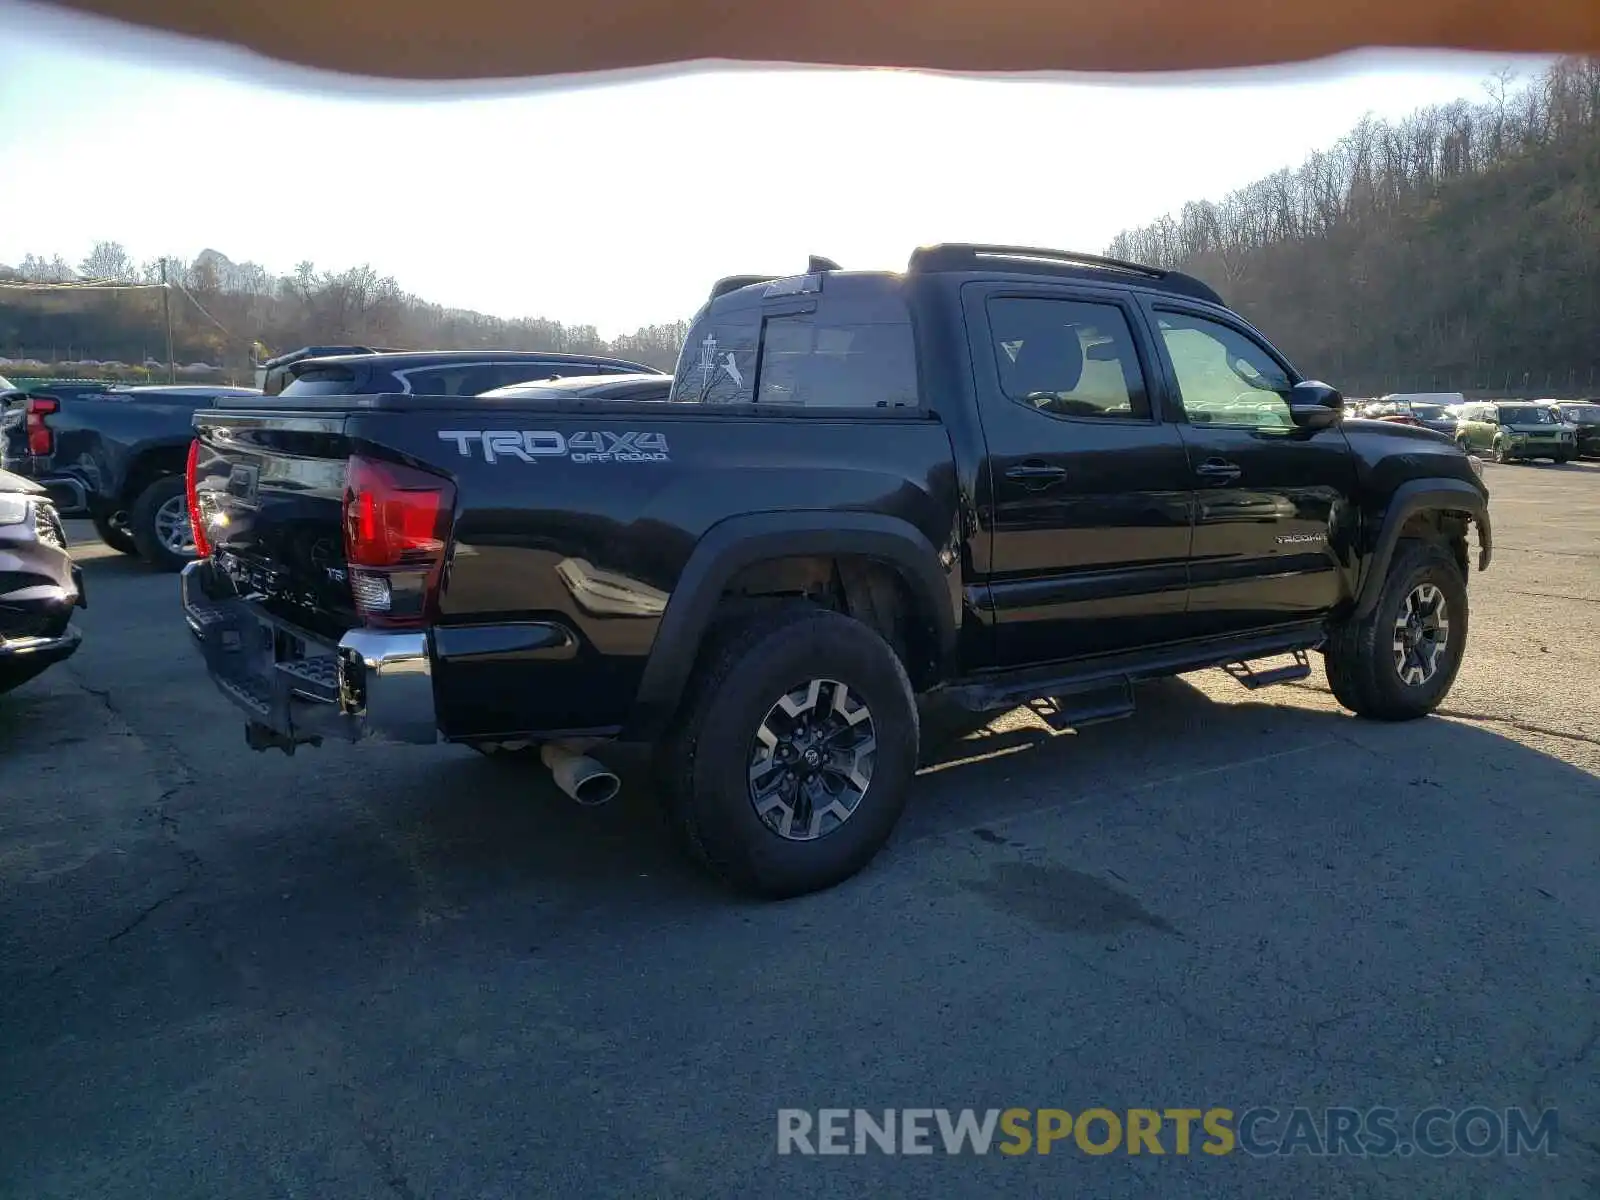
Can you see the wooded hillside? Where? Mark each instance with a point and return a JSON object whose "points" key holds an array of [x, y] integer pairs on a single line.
{"points": [[1458, 249]]}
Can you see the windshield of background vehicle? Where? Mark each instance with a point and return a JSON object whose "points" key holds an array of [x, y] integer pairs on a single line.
{"points": [[1528, 415]]}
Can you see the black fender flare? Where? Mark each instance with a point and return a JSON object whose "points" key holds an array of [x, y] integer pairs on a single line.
{"points": [[130, 461], [1410, 498], [738, 542]]}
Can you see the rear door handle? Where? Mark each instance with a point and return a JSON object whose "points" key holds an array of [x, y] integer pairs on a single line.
{"points": [[1036, 474], [1218, 470]]}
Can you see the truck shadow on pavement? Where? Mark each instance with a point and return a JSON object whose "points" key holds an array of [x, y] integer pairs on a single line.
{"points": [[478, 828]]}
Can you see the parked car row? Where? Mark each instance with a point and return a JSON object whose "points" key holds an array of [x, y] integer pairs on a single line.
{"points": [[1506, 430]]}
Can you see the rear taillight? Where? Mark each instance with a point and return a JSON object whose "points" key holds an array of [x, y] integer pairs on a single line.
{"points": [[396, 527], [197, 526], [41, 440]]}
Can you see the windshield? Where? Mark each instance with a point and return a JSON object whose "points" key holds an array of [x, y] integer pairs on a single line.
{"points": [[1584, 413], [1526, 415], [1429, 412], [6, 385]]}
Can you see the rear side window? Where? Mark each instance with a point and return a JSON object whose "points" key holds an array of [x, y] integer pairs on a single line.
{"points": [[319, 381], [808, 361]]}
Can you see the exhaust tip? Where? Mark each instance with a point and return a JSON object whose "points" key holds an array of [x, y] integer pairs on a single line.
{"points": [[597, 789], [582, 779]]}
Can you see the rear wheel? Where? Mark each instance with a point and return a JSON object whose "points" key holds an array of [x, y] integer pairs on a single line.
{"points": [[159, 524], [797, 744], [1399, 662], [113, 533]]}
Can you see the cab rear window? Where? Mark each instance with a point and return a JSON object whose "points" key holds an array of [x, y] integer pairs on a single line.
{"points": [[851, 347], [321, 381], [814, 363]]}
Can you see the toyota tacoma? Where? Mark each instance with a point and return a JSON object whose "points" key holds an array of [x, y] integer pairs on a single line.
{"points": [[1002, 474]]}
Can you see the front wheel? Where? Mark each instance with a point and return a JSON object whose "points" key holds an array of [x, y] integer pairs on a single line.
{"points": [[1400, 661], [790, 766], [159, 523], [1501, 454]]}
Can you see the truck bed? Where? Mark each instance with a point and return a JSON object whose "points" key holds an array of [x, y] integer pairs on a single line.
{"points": [[580, 513]]}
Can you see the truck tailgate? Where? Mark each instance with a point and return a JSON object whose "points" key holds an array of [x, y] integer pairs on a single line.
{"points": [[270, 489]]}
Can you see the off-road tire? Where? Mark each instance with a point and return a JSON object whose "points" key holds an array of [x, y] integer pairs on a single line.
{"points": [[142, 523], [745, 667], [1500, 454], [117, 538], [1359, 655]]}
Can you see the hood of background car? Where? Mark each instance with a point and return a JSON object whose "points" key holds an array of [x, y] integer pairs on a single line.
{"points": [[16, 483]]}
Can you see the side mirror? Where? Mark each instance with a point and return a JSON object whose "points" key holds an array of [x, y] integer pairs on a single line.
{"points": [[1102, 352], [1314, 405]]}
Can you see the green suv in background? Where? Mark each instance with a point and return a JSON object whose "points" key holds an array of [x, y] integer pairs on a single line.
{"points": [[1512, 431]]}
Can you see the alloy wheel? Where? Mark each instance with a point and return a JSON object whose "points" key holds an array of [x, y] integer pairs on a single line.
{"points": [[172, 527], [1421, 633], [811, 760]]}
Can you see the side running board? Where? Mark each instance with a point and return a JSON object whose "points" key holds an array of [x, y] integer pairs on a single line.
{"points": [[1109, 703], [1104, 683], [1253, 678]]}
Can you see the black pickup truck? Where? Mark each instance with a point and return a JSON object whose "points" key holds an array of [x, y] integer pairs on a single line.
{"points": [[1002, 474], [115, 455]]}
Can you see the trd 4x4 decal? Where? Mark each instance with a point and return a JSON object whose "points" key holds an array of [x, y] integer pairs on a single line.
{"points": [[530, 445]]}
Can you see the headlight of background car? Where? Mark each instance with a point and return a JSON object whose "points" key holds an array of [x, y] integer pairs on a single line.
{"points": [[13, 509]]}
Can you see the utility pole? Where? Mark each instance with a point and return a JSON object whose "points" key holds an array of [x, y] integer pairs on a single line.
{"points": [[166, 309]]}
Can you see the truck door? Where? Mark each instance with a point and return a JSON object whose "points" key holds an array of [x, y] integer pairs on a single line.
{"points": [[1271, 499], [1089, 488]]}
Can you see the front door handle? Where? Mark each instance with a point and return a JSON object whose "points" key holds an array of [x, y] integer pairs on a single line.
{"points": [[1036, 474], [1218, 470]]}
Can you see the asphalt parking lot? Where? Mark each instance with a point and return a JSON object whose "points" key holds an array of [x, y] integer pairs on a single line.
{"points": [[423, 973]]}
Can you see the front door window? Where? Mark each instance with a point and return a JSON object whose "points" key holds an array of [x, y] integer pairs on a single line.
{"points": [[1224, 377]]}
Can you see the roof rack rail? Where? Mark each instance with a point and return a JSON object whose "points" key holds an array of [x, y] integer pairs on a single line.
{"points": [[966, 256]]}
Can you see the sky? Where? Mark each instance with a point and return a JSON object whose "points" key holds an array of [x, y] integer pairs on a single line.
{"points": [[617, 204]]}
